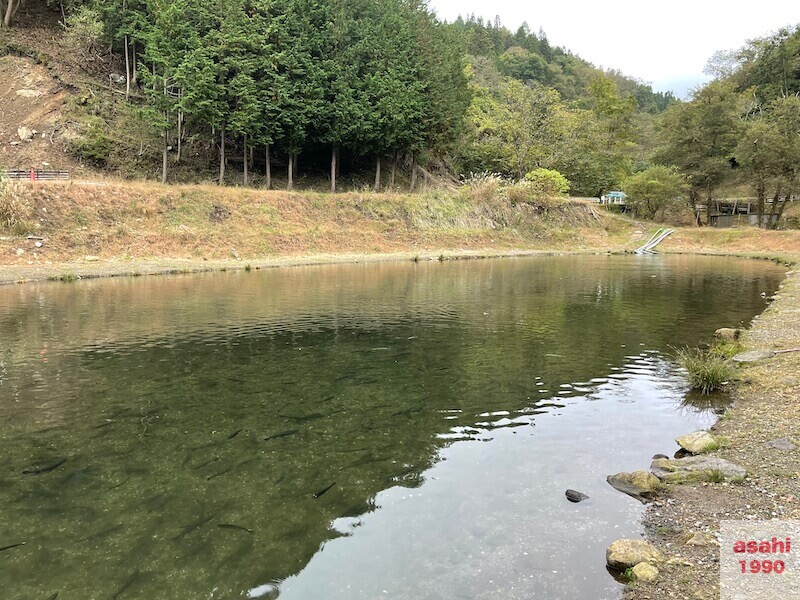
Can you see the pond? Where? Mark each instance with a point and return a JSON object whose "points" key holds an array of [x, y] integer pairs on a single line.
{"points": [[391, 430]]}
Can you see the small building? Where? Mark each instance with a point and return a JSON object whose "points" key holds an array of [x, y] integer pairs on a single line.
{"points": [[614, 198]]}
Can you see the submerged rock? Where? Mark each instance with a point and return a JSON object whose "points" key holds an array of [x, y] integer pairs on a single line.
{"points": [[697, 468], [645, 572], [575, 496], [624, 554], [639, 484], [727, 333], [698, 442]]}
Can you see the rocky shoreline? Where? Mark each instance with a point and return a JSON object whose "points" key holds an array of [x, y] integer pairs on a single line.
{"points": [[747, 468]]}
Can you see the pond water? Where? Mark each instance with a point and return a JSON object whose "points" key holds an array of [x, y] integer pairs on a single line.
{"points": [[392, 430]]}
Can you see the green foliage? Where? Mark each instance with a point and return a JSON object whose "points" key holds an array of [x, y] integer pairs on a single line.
{"points": [[706, 372], [85, 32], [548, 182], [725, 349], [654, 191]]}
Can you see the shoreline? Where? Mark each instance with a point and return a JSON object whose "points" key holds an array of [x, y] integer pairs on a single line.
{"points": [[82, 269], [683, 523], [102, 268]]}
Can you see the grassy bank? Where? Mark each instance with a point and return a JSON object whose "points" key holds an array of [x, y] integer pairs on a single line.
{"points": [[121, 225], [100, 228]]}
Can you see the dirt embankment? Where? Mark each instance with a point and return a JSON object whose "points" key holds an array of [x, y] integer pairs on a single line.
{"points": [[111, 227], [140, 227]]}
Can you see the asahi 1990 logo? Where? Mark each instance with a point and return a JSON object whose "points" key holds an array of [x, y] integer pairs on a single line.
{"points": [[758, 559]]}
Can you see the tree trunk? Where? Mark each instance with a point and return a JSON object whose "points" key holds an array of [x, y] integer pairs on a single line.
{"points": [[268, 167], [245, 160], [127, 70], [180, 133], [164, 157], [166, 139], [761, 202], [413, 173], [394, 168], [290, 182], [334, 161], [378, 175], [134, 74], [9, 13], [222, 156]]}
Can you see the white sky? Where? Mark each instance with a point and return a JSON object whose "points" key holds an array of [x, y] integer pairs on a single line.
{"points": [[666, 43]]}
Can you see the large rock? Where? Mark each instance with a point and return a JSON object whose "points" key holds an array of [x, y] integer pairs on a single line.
{"points": [[624, 554], [698, 442], [753, 355], [639, 484], [25, 133], [645, 572], [727, 333], [697, 468], [781, 444]]}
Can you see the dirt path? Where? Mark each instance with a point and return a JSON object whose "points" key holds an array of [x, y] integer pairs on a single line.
{"points": [[767, 407]]}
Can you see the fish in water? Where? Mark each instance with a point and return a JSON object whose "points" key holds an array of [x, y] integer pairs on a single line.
{"points": [[282, 434], [323, 490], [38, 470], [187, 529], [234, 434], [128, 583], [231, 526], [53, 597], [12, 546], [575, 496]]}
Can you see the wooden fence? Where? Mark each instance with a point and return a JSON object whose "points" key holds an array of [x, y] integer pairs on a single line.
{"points": [[37, 175]]}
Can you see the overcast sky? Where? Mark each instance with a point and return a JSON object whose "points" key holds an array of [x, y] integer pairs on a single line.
{"points": [[665, 43]]}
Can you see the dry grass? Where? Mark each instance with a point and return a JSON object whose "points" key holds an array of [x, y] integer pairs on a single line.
{"points": [[136, 219]]}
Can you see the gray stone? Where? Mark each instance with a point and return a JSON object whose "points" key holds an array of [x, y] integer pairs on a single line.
{"points": [[790, 381], [753, 355], [781, 444], [624, 554], [639, 484], [698, 539], [575, 496], [117, 78], [645, 572], [727, 333], [697, 468], [698, 442]]}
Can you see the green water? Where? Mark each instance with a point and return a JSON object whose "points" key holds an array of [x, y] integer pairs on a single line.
{"points": [[362, 431]]}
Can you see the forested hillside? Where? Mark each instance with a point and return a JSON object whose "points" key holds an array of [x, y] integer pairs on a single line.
{"points": [[346, 85], [740, 134]]}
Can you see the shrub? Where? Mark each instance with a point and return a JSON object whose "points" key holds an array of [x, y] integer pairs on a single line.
{"points": [[85, 32], [15, 208], [656, 192], [707, 372], [548, 182], [528, 192], [483, 187]]}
